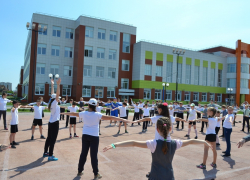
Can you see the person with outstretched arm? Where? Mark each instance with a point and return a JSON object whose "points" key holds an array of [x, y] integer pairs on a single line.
{"points": [[243, 141]]}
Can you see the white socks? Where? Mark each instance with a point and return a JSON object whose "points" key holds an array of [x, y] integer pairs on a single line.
{"points": [[189, 130], [196, 132]]}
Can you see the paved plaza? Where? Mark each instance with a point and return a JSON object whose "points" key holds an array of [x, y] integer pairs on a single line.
{"points": [[26, 161]]}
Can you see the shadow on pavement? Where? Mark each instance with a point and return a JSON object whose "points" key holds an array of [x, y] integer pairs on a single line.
{"points": [[211, 174], [230, 161]]}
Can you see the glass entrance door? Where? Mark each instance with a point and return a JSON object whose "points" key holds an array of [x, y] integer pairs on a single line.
{"points": [[125, 97]]}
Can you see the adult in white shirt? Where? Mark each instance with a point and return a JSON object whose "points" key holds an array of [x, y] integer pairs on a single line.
{"points": [[53, 126], [3, 108], [191, 121], [146, 110], [123, 115], [136, 111]]}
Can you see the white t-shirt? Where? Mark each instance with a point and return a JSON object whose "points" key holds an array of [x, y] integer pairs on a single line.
{"points": [[90, 122], [171, 112], [55, 112], [154, 120], [172, 119], [38, 111], [14, 117], [146, 111], [73, 109], [141, 105], [136, 108], [152, 144], [212, 122], [123, 112], [99, 108], [152, 107], [226, 123], [3, 103], [192, 114], [218, 122]]}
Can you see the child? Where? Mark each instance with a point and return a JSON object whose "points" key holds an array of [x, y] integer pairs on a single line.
{"points": [[63, 101], [145, 115], [191, 118], [141, 104], [99, 109], [67, 117], [108, 110], [162, 150], [136, 112], [204, 116], [217, 128], [123, 115], [152, 111], [210, 137], [81, 103], [72, 121], [173, 119], [224, 113], [180, 115]]}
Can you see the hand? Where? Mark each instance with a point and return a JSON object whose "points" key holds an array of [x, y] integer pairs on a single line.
{"points": [[134, 122], [208, 145], [240, 143], [107, 148], [52, 81], [59, 81]]}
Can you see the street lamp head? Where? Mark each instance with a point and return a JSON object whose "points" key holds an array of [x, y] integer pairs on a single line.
{"points": [[50, 75], [33, 26], [180, 51], [183, 51], [39, 27], [27, 25], [177, 50], [228, 89], [173, 50], [163, 84], [167, 84], [57, 76], [231, 89]]}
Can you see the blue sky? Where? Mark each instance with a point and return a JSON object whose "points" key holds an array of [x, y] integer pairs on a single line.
{"points": [[194, 24]]}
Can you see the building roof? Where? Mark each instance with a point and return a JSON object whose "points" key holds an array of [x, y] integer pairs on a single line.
{"points": [[217, 49]]}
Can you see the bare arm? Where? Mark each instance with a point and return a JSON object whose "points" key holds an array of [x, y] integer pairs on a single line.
{"points": [[58, 89], [130, 143], [204, 120], [195, 141], [142, 120], [52, 86], [113, 118]]}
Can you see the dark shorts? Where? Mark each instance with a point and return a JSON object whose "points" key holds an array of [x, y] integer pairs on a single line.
{"points": [[217, 130], [38, 122], [194, 123], [210, 137], [72, 120], [13, 128], [140, 111], [123, 118]]}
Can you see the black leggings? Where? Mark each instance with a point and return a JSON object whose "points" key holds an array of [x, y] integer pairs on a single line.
{"points": [[202, 125], [67, 119], [53, 129], [4, 118], [92, 143], [145, 123], [180, 115], [108, 112], [245, 120], [136, 117], [62, 110]]}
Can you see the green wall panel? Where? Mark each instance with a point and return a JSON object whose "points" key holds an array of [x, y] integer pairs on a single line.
{"points": [[197, 62], [213, 65], [188, 61], [148, 55], [159, 56], [170, 58], [242, 98], [187, 87], [180, 59], [220, 66], [205, 63]]}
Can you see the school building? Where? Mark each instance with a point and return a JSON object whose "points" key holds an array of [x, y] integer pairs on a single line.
{"points": [[101, 59]]}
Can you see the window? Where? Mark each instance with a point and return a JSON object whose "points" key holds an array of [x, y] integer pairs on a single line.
{"points": [[55, 88], [124, 83], [87, 71], [196, 96], [39, 89], [211, 96], [187, 96], [101, 33], [125, 65], [110, 92], [197, 74], [113, 36], [68, 52], [98, 92], [244, 83], [169, 71], [54, 69], [204, 97], [89, 32], [99, 71], [219, 97], [111, 73], [231, 68], [231, 83], [55, 50], [147, 94], [100, 53], [88, 51], [168, 95], [69, 33], [41, 49], [112, 54], [158, 94], [212, 77], [126, 43], [188, 74], [179, 96], [159, 71], [86, 91], [204, 76], [148, 69], [66, 90], [40, 68], [41, 30], [244, 68], [67, 71], [56, 31], [219, 78], [179, 73]]}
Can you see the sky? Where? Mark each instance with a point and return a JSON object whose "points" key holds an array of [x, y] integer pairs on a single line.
{"points": [[192, 24]]}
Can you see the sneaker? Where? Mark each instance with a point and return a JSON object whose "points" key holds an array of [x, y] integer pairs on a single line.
{"points": [[32, 137], [13, 146], [221, 136], [213, 165], [6, 128], [139, 124], [15, 143], [186, 135], [52, 158], [195, 137], [70, 136], [126, 131], [226, 155], [118, 132], [146, 130], [76, 135], [217, 144], [142, 130], [42, 137], [98, 176], [224, 152], [79, 173], [46, 154], [100, 133], [201, 131], [201, 166]]}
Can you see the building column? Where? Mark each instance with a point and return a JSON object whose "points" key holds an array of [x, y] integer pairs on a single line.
{"points": [[153, 94]]}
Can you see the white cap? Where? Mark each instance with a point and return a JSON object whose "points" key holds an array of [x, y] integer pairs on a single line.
{"points": [[93, 102], [192, 104], [53, 96]]}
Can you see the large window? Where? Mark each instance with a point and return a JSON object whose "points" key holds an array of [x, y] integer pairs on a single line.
{"points": [[204, 76], [244, 83], [188, 74], [110, 92], [219, 78], [66, 90], [126, 43], [212, 77], [56, 31], [67, 70], [69, 33], [40, 68], [41, 30], [55, 50], [231, 68], [196, 96], [168, 95], [158, 71], [89, 32], [68, 52], [99, 71], [39, 89], [111, 73], [148, 69], [179, 96], [86, 91], [179, 73], [125, 65], [41, 49], [244, 68], [158, 94], [124, 83], [187, 96], [100, 53], [204, 97], [231, 83], [101, 33], [88, 51], [98, 92], [54, 69], [169, 71], [87, 71], [147, 94], [219, 97], [112, 54], [113, 36], [196, 75]]}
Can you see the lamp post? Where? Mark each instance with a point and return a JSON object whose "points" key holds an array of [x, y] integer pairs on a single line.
{"points": [[178, 53], [36, 31], [163, 94], [230, 90], [54, 76]]}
